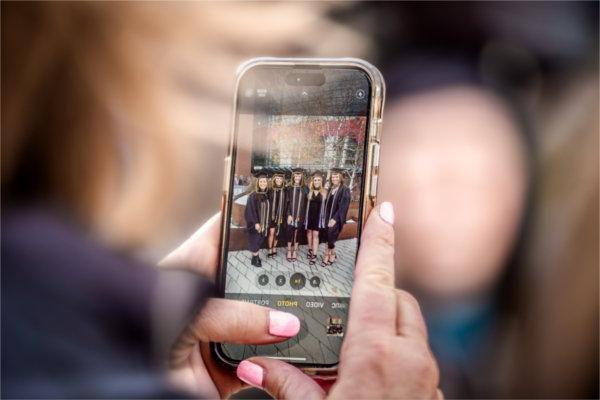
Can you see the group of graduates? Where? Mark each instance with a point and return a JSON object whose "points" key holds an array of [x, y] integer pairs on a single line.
{"points": [[276, 212]]}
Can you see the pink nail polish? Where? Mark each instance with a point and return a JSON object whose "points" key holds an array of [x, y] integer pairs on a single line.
{"points": [[386, 212], [283, 324], [250, 373]]}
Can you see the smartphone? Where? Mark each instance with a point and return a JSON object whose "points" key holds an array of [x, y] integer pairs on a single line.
{"points": [[300, 180]]}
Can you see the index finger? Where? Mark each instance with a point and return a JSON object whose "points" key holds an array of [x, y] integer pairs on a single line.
{"points": [[373, 304]]}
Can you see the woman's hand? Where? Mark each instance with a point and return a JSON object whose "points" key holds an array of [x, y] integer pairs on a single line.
{"points": [[290, 219], [331, 223], [192, 366], [385, 353], [257, 227]]}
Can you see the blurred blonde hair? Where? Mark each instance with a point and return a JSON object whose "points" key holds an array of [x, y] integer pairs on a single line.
{"points": [[311, 185], [557, 355], [105, 105]]}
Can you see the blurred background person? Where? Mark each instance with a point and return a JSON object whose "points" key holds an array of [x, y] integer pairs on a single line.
{"points": [[474, 93]]}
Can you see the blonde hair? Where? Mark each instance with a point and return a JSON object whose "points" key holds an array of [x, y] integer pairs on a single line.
{"points": [[100, 100], [301, 178], [312, 186], [340, 175], [282, 182], [80, 118], [257, 188]]}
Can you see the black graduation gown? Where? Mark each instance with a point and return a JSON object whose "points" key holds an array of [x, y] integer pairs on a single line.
{"points": [[277, 217], [336, 208], [257, 212], [295, 202], [314, 211], [90, 328]]}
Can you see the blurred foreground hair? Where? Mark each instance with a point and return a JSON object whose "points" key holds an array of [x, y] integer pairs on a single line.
{"points": [[80, 128]]}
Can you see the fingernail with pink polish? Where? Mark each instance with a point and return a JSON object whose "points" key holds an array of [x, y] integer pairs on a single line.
{"points": [[250, 373], [283, 324], [386, 212]]}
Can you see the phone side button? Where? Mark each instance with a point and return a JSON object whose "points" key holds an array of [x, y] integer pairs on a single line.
{"points": [[226, 173], [375, 151], [373, 190], [377, 126]]}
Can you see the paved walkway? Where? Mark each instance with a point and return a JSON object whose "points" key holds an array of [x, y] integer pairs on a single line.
{"points": [[277, 276]]}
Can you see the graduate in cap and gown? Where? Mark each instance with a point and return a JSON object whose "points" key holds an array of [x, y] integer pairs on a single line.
{"points": [[295, 203], [335, 205], [257, 216], [277, 197], [315, 202]]}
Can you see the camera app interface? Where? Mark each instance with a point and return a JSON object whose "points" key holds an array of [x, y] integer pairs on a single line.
{"points": [[295, 208]]}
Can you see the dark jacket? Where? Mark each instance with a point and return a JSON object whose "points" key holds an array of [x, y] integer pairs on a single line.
{"points": [[339, 208], [295, 203], [257, 210], [79, 321]]}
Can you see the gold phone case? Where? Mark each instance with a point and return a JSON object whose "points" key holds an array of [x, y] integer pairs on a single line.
{"points": [[373, 138]]}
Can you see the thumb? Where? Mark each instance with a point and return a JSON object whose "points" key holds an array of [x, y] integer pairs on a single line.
{"points": [[280, 379]]}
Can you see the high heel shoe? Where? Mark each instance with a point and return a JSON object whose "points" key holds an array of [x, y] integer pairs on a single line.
{"points": [[332, 259], [289, 256], [295, 255]]}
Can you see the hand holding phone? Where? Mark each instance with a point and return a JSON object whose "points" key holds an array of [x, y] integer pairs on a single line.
{"points": [[385, 353], [305, 139], [192, 367]]}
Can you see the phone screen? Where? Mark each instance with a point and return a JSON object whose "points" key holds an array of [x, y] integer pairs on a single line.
{"points": [[295, 203]]}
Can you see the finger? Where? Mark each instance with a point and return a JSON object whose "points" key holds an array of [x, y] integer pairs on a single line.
{"points": [[410, 322], [223, 320], [232, 321], [375, 262], [280, 379], [200, 252], [373, 305]]}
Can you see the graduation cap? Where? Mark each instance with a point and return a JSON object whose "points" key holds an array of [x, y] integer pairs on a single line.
{"points": [[317, 174], [297, 171], [278, 172], [337, 171], [261, 174]]}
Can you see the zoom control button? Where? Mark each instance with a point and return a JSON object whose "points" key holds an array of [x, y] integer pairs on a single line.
{"points": [[263, 280], [297, 281], [315, 281], [280, 280]]}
